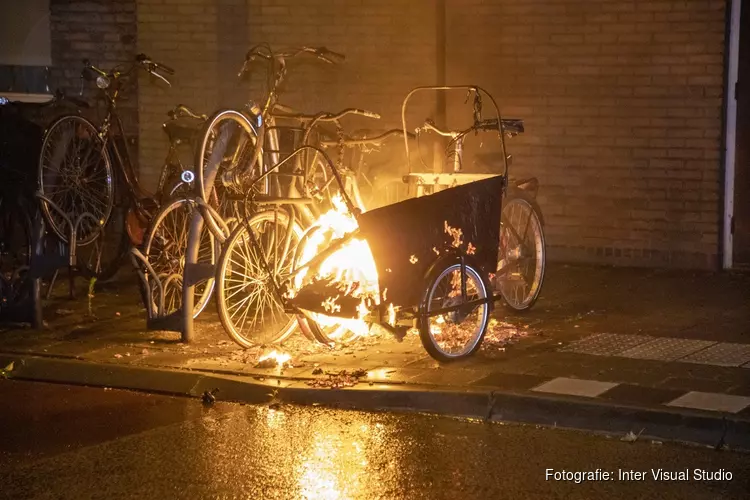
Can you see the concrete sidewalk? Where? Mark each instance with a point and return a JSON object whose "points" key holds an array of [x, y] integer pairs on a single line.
{"points": [[662, 353]]}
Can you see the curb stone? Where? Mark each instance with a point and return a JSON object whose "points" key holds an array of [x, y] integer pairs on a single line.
{"points": [[570, 412]]}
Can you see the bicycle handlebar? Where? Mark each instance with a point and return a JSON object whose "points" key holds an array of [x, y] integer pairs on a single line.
{"points": [[360, 112], [181, 111], [430, 125], [509, 126], [321, 53], [91, 72], [152, 65], [353, 141], [331, 117]]}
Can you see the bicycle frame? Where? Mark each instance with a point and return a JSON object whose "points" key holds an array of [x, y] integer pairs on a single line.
{"points": [[251, 202], [124, 162]]}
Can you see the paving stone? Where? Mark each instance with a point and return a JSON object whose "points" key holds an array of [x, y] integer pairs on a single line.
{"points": [[448, 377], [509, 381], [575, 387], [640, 395], [711, 401], [694, 384], [666, 349], [606, 344], [721, 354]]}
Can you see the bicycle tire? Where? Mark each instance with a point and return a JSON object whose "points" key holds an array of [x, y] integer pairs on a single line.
{"points": [[240, 258], [509, 286], [429, 331], [164, 247], [215, 141], [101, 198]]}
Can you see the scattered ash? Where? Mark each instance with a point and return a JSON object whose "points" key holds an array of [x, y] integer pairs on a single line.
{"points": [[501, 334], [338, 380]]}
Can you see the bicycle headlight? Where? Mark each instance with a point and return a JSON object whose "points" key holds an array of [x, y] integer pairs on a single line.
{"points": [[102, 82]]}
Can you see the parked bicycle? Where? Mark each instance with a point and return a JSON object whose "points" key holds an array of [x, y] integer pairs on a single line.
{"points": [[85, 168], [522, 254], [253, 140], [448, 292]]}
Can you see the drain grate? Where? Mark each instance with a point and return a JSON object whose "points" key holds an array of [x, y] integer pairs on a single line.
{"points": [[606, 344], [666, 349], [723, 354]]}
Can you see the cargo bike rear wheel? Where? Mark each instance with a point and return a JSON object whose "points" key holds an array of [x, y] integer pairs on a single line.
{"points": [[455, 309]]}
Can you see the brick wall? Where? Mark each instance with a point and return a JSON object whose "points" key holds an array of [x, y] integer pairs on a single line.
{"points": [[389, 47], [623, 107], [183, 35], [102, 31], [622, 100]]}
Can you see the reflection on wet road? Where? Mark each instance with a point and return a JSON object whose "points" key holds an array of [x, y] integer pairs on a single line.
{"points": [[64, 442]]}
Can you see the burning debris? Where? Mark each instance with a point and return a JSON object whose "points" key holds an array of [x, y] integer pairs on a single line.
{"points": [[454, 233], [332, 298], [330, 305], [392, 314], [273, 359], [413, 259], [345, 287]]}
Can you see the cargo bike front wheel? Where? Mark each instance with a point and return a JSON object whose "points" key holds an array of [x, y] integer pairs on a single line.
{"points": [[455, 308]]}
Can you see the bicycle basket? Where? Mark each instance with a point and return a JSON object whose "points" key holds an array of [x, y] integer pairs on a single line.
{"points": [[408, 237]]}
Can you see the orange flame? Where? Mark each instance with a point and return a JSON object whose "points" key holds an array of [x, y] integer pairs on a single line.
{"points": [[352, 264]]}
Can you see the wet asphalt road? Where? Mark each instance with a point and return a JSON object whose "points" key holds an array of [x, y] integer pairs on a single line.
{"points": [[74, 442]]}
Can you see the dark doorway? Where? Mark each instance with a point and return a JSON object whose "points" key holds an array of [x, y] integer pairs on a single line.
{"points": [[741, 219]]}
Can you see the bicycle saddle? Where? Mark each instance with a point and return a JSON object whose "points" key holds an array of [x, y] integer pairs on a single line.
{"points": [[183, 129]]}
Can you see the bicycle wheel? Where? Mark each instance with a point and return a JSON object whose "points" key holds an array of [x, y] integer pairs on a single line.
{"points": [[457, 333], [229, 140], [165, 246], [522, 255], [75, 172], [249, 307]]}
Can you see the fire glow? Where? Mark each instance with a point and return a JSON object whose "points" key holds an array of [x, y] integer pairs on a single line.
{"points": [[280, 358], [351, 266]]}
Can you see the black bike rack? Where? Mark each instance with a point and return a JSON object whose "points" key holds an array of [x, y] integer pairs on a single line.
{"points": [[153, 289], [42, 265], [153, 295], [29, 311], [195, 271]]}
